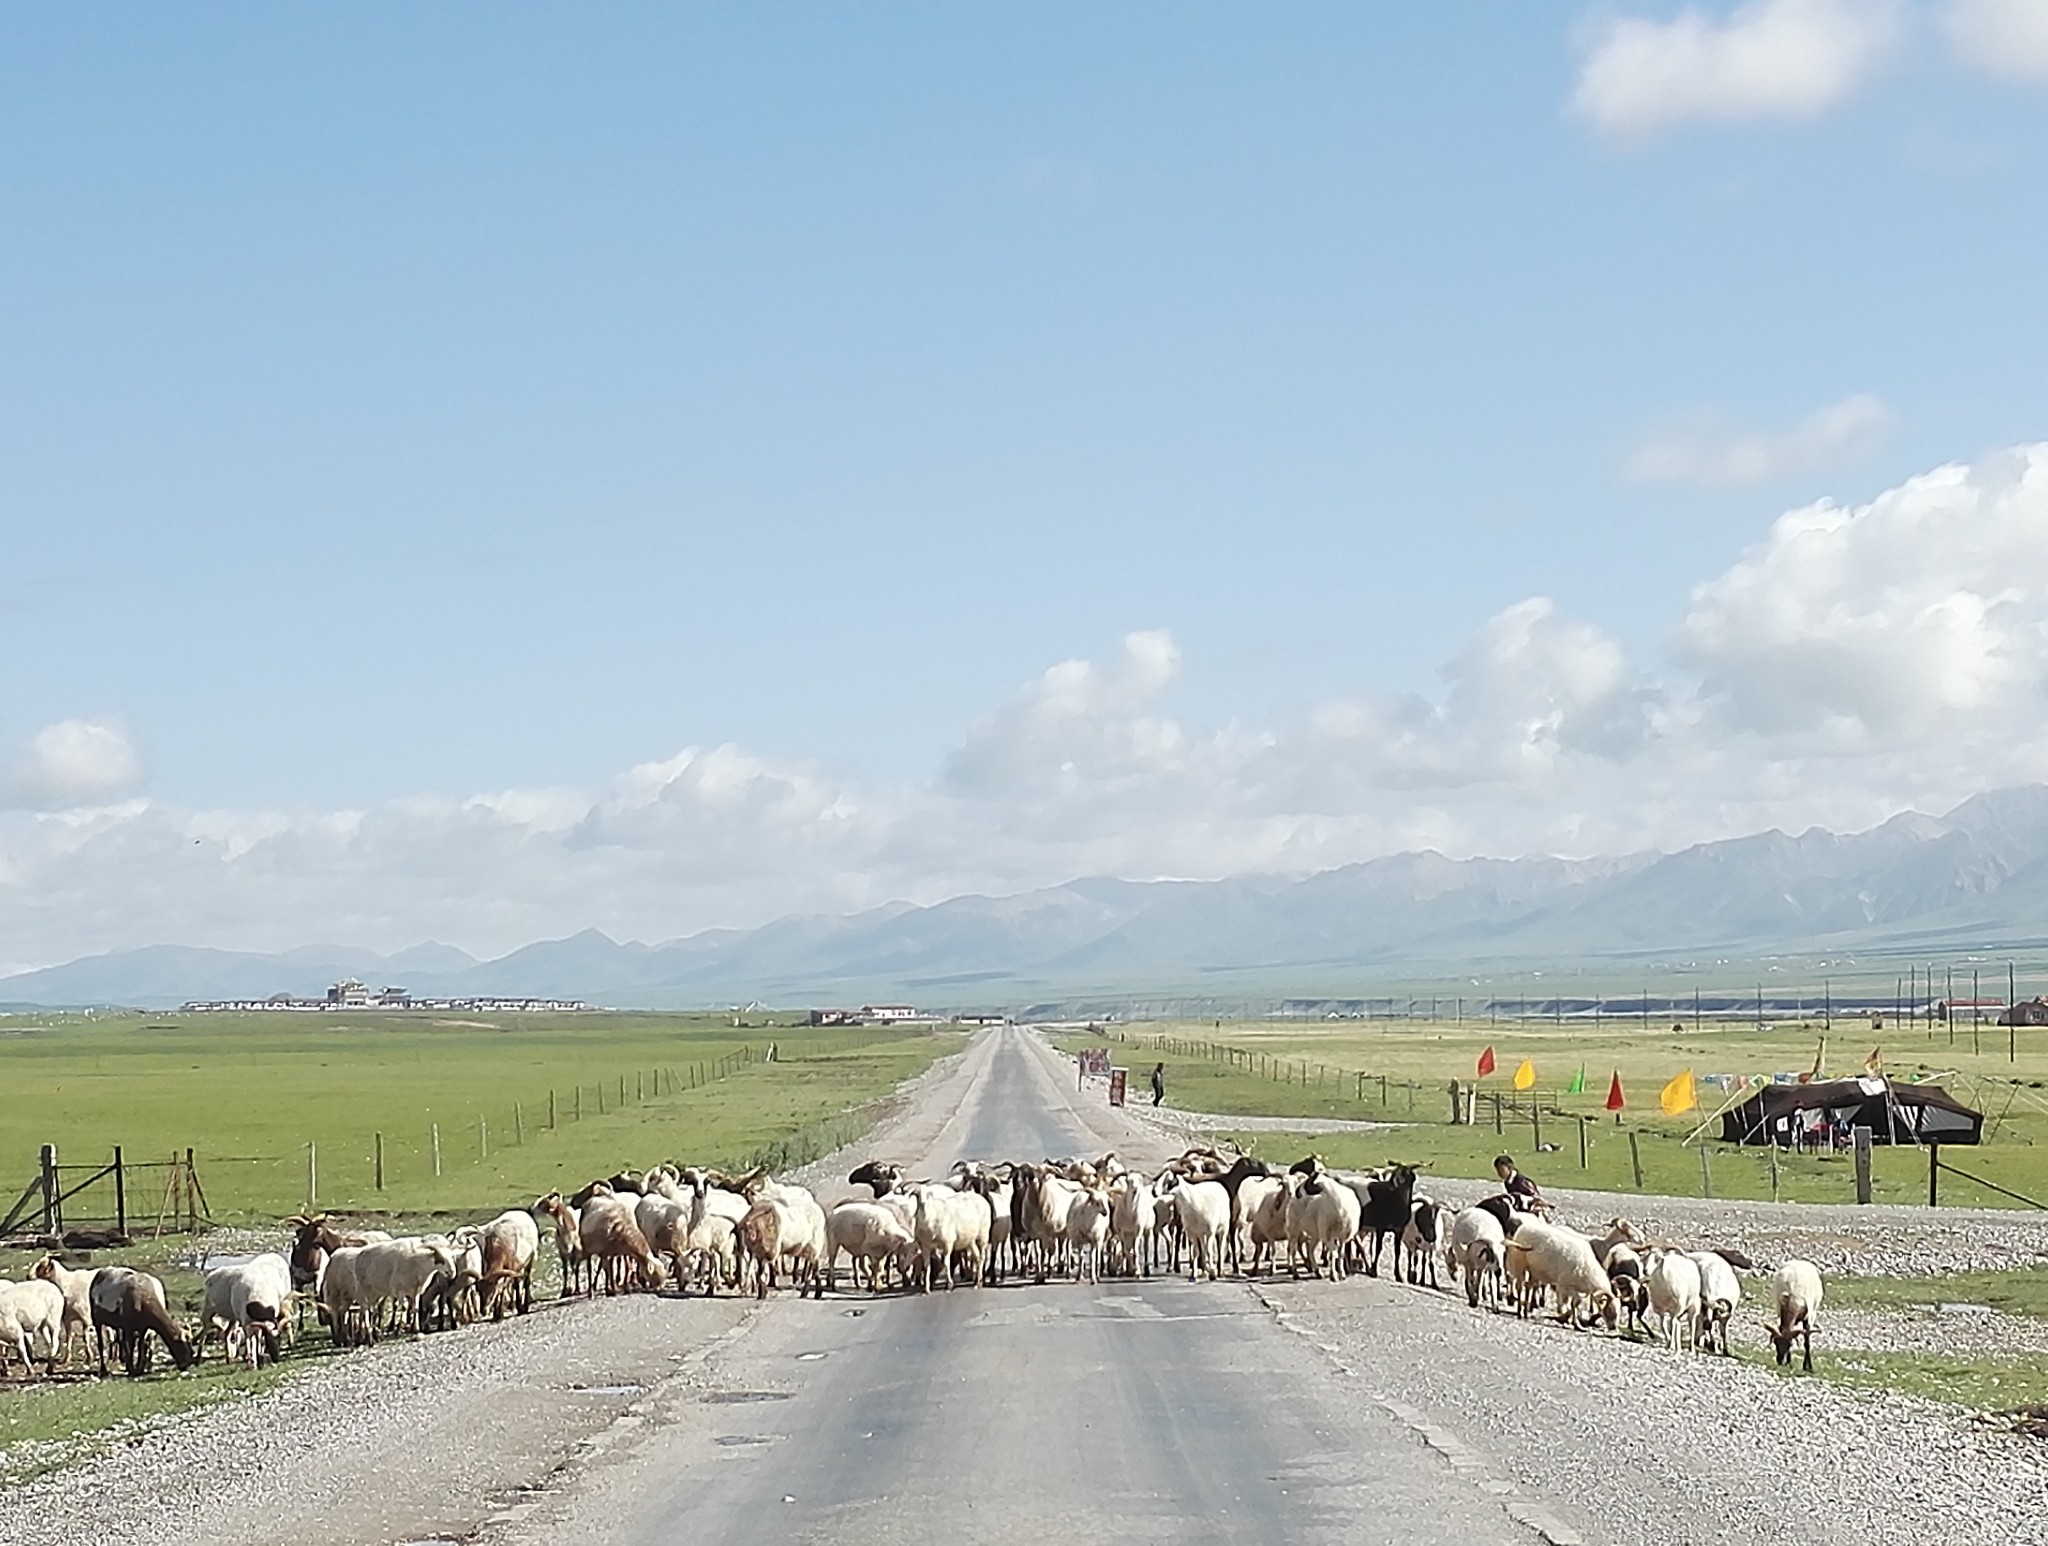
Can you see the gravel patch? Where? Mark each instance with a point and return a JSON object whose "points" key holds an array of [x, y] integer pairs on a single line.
{"points": [[1655, 1447]]}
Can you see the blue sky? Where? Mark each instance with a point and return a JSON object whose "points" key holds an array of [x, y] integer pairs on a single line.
{"points": [[404, 407]]}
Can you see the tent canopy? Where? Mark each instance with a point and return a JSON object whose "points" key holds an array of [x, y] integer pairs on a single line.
{"points": [[1894, 1113]]}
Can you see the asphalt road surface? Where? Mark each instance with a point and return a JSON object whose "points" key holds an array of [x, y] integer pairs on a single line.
{"points": [[1130, 1411]]}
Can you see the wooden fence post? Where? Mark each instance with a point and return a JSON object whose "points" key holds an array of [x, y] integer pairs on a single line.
{"points": [[377, 1151], [1706, 1174], [312, 1175], [1860, 1142], [551, 1110], [518, 1127], [1635, 1158], [483, 1139], [1774, 1169], [434, 1136], [120, 1193], [51, 1216], [1934, 1175], [1582, 1141]]}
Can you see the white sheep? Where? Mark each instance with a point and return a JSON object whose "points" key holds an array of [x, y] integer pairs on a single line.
{"points": [[1202, 1210], [1625, 1272], [1550, 1258], [949, 1224], [1132, 1219], [76, 1286], [1262, 1212], [874, 1236], [1720, 1294], [1322, 1220], [31, 1323], [1673, 1281], [1478, 1250], [1087, 1232], [396, 1274], [510, 1242], [1796, 1290], [246, 1304]]}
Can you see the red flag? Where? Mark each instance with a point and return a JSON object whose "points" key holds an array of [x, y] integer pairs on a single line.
{"points": [[1486, 1062], [1614, 1100]]}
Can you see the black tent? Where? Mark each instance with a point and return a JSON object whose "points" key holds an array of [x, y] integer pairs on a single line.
{"points": [[1894, 1113]]}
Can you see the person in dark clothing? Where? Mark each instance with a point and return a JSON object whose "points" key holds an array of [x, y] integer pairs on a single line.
{"points": [[1518, 1188], [1158, 1083]]}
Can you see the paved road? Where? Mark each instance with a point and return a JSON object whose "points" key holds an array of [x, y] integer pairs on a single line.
{"points": [[1146, 1410]]}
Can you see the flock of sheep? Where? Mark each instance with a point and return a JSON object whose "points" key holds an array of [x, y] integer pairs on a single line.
{"points": [[1081, 1218]]}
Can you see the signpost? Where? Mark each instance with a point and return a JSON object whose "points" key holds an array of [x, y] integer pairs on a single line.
{"points": [[1119, 1079]]}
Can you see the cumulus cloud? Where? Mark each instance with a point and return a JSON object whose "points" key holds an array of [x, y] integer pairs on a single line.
{"points": [[1855, 661], [2007, 38], [1707, 451], [72, 763], [1911, 618], [1769, 59]]}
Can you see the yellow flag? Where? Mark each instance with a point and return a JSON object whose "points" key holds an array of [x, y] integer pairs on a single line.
{"points": [[1678, 1096], [1525, 1076]]}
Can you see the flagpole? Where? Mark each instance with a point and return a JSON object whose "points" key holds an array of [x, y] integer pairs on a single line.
{"points": [[1734, 1098]]}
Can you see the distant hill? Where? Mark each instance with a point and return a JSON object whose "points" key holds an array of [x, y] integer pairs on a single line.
{"points": [[1977, 876]]}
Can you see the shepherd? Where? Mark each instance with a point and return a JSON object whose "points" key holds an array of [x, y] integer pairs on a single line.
{"points": [[1158, 1083]]}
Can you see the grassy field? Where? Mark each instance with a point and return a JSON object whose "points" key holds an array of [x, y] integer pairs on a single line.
{"points": [[250, 1093], [1312, 1070]]}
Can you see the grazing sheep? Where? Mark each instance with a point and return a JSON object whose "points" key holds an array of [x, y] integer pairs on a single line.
{"points": [[130, 1306], [1387, 1207], [509, 1244], [1720, 1293], [1673, 1280], [76, 1286], [1547, 1258], [1796, 1291], [1262, 1220], [949, 1224], [1625, 1272], [343, 1305], [395, 1275], [31, 1319], [613, 1244], [246, 1304]]}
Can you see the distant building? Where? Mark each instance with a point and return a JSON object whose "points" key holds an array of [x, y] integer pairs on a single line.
{"points": [[835, 1016], [981, 1019], [350, 994], [887, 1012]]}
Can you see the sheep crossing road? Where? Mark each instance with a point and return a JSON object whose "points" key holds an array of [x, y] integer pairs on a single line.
{"points": [[1131, 1410]]}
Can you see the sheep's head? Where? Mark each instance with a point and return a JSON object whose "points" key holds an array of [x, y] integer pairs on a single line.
{"points": [[45, 1269]]}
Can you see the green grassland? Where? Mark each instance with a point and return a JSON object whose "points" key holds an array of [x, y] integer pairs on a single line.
{"points": [[249, 1094], [1399, 1071]]}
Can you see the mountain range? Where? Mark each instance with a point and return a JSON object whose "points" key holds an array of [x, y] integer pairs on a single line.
{"points": [[1977, 877]]}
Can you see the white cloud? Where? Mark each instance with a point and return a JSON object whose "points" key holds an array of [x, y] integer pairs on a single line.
{"points": [[1705, 450], [1856, 660], [1917, 616], [2007, 38], [72, 763], [1769, 59]]}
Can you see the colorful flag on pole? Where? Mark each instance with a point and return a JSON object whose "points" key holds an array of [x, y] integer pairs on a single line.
{"points": [[1525, 1076], [1874, 1064], [1578, 1084], [1614, 1100], [1679, 1096], [1486, 1062], [1819, 1056]]}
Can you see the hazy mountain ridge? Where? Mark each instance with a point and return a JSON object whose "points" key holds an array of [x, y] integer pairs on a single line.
{"points": [[1981, 872]]}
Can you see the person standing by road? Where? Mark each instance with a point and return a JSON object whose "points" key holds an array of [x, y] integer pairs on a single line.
{"points": [[1158, 1083]]}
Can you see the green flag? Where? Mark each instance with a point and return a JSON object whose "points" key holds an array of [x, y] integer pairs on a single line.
{"points": [[1578, 1084]]}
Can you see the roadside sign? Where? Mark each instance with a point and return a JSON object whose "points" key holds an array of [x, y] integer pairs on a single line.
{"points": [[1118, 1079], [1095, 1062]]}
